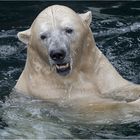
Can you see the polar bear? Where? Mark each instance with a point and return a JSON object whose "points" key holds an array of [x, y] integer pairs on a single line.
{"points": [[63, 62]]}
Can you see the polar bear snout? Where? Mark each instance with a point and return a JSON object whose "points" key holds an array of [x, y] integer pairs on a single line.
{"points": [[57, 55], [60, 60]]}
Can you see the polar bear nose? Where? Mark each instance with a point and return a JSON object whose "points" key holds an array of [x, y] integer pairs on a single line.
{"points": [[57, 55]]}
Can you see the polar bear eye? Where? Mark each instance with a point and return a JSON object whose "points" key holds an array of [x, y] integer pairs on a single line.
{"points": [[43, 36], [68, 30]]}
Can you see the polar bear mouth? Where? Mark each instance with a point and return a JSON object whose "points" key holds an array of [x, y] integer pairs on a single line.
{"points": [[63, 69]]}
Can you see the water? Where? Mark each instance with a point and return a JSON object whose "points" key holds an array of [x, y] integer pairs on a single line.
{"points": [[116, 27]]}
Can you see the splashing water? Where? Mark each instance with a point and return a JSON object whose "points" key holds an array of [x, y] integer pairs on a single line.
{"points": [[117, 35]]}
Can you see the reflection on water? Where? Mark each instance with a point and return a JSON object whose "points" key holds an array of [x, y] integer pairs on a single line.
{"points": [[116, 29]]}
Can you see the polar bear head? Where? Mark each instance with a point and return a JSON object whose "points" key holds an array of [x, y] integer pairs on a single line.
{"points": [[58, 35]]}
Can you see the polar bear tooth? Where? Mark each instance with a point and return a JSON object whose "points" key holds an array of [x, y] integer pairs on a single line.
{"points": [[57, 66], [62, 66], [67, 64]]}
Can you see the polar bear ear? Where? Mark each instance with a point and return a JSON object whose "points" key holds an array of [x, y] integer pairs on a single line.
{"points": [[24, 36], [87, 17]]}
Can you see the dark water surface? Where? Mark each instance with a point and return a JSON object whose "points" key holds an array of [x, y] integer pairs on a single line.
{"points": [[116, 28]]}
